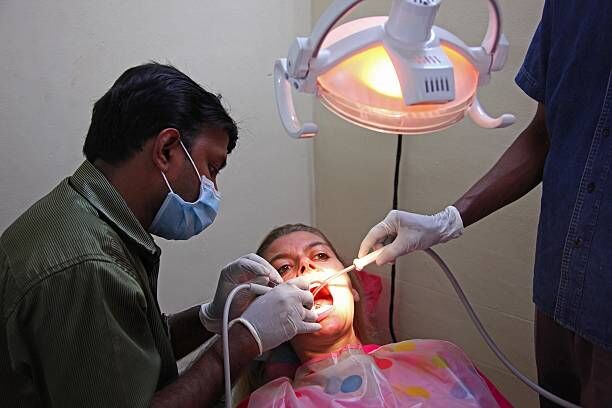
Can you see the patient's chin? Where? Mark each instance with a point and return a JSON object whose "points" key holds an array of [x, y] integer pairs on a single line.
{"points": [[331, 325], [333, 329]]}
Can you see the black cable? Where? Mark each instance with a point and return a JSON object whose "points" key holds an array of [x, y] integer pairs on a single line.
{"points": [[398, 158]]}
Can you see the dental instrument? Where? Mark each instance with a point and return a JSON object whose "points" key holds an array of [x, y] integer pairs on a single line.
{"points": [[332, 277], [358, 263], [392, 74]]}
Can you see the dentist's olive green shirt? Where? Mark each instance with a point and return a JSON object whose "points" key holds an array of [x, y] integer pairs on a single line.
{"points": [[79, 321]]}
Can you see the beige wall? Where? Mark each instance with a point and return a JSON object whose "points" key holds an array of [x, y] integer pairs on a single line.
{"points": [[59, 57], [494, 259], [63, 55]]}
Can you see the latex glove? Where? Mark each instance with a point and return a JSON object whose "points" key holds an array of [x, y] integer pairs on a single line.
{"points": [[411, 232], [248, 268], [281, 314]]}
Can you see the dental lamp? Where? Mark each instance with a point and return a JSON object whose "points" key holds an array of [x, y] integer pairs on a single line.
{"points": [[398, 74]]}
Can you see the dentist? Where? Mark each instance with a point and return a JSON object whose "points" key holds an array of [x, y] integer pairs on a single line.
{"points": [[79, 319]]}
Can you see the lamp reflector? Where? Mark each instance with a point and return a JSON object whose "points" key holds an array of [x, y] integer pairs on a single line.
{"points": [[364, 88]]}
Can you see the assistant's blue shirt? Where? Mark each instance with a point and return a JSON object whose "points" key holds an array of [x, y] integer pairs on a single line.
{"points": [[568, 68]]}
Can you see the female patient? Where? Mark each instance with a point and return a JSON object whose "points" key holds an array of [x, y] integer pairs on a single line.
{"points": [[339, 366]]}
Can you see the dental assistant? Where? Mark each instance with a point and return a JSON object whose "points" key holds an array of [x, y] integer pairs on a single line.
{"points": [[567, 146], [80, 323]]}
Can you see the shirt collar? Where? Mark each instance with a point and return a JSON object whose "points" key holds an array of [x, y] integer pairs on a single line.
{"points": [[88, 181]]}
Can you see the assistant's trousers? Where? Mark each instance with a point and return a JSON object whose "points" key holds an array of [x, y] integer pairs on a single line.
{"points": [[570, 366]]}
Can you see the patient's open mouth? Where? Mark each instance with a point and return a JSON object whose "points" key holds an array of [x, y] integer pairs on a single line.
{"points": [[323, 301]]}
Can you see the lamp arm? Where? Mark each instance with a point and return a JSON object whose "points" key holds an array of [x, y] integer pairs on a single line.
{"points": [[494, 28], [337, 10], [340, 8]]}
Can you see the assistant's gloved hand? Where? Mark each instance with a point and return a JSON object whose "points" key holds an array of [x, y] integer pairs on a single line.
{"points": [[281, 314], [411, 232], [248, 268]]}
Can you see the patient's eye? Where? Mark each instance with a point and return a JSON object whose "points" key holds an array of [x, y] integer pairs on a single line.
{"points": [[321, 256], [284, 269]]}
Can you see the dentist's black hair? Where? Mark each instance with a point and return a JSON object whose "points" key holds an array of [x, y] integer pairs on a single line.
{"points": [[143, 101]]}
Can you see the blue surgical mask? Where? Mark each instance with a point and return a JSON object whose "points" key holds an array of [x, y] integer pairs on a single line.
{"points": [[178, 219]]}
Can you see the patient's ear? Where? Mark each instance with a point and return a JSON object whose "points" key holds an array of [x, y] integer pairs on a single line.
{"points": [[355, 295]]}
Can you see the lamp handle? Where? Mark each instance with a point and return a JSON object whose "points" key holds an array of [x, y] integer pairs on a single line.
{"points": [[284, 103], [477, 113]]}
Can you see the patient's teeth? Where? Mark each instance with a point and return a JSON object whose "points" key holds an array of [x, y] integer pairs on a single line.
{"points": [[323, 311]]}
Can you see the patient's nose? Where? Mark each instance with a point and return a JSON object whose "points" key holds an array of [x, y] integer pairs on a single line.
{"points": [[306, 265]]}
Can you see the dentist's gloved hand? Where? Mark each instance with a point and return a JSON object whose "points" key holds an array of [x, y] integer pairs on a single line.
{"points": [[250, 268], [411, 232], [281, 314]]}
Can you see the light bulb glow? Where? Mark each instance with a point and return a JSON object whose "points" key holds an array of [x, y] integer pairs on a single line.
{"points": [[374, 69], [378, 73], [364, 88]]}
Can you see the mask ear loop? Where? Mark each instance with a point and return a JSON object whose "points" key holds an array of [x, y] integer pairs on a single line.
{"points": [[166, 180], [203, 179], [192, 163]]}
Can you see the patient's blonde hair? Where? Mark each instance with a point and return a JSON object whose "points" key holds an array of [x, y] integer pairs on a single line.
{"points": [[253, 376]]}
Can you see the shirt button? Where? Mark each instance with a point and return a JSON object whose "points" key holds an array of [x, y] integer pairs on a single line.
{"points": [[591, 187], [606, 132], [578, 242]]}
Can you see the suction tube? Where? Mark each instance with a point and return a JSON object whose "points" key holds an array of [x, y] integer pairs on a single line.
{"points": [[494, 348]]}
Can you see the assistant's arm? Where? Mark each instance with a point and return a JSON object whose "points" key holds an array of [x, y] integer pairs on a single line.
{"points": [[519, 170], [516, 173]]}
